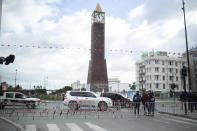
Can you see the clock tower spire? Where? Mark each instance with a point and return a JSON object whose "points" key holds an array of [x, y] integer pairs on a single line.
{"points": [[98, 8], [97, 73]]}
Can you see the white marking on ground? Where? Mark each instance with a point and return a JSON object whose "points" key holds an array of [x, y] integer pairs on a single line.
{"points": [[186, 119], [179, 121], [95, 127], [53, 127], [157, 120], [30, 127], [73, 127]]}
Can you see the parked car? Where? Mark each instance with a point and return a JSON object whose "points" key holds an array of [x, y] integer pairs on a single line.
{"points": [[17, 99], [76, 99], [118, 100]]}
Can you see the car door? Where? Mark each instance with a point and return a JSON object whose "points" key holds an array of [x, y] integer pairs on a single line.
{"points": [[19, 99], [91, 99], [81, 99], [118, 99], [9, 98]]}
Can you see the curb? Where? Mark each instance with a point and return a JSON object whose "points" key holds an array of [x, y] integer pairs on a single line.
{"points": [[17, 126], [46, 101], [185, 116]]}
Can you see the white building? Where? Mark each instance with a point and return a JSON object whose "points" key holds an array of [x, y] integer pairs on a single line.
{"points": [[157, 72], [76, 85], [115, 85]]}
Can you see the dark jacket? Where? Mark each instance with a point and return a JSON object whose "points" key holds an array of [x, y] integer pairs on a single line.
{"points": [[145, 98], [136, 98], [151, 97]]}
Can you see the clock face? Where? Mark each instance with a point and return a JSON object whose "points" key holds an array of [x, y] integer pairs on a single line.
{"points": [[99, 17]]}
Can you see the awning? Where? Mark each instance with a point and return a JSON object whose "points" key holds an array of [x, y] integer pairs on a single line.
{"points": [[157, 92], [164, 92]]}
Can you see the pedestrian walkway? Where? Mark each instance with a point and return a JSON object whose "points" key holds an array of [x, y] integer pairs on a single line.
{"points": [[90, 126], [67, 127]]}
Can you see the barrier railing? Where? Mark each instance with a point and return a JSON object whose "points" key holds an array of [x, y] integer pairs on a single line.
{"points": [[120, 109], [176, 107]]}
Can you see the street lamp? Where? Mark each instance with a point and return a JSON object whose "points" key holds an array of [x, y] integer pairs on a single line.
{"points": [[15, 77], [189, 79]]}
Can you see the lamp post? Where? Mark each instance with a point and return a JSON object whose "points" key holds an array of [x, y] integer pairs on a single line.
{"points": [[184, 95], [189, 79], [15, 77]]}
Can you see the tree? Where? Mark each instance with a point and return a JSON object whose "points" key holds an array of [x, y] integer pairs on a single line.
{"points": [[63, 90], [133, 86], [18, 87], [67, 88], [83, 89]]}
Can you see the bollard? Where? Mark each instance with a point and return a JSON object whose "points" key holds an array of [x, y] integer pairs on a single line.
{"points": [[114, 114], [67, 114], [17, 116], [60, 113], [54, 114], [85, 114], [33, 115]]}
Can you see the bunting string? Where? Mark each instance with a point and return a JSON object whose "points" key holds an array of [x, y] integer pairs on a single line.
{"points": [[95, 50]]}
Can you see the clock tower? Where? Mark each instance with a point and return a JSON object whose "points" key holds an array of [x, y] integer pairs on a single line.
{"points": [[97, 73]]}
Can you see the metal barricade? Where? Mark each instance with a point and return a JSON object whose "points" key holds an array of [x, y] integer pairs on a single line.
{"points": [[119, 110]]}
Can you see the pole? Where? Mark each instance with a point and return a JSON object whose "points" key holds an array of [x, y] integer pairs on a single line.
{"points": [[184, 87], [189, 79], [15, 77]]}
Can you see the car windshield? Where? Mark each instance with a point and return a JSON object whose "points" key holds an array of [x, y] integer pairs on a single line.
{"points": [[96, 94]]}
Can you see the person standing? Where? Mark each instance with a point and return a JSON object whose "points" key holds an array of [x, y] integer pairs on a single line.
{"points": [[152, 103], [136, 101], [145, 100]]}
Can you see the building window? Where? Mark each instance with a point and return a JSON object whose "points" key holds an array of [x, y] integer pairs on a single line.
{"points": [[156, 61], [163, 70], [171, 78], [157, 86], [170, 63], [162, 62], [156, 77], [183, 63], [164, 86], [156, 69], [177, 78], [176, 70], [177, 87], [164, 78], [170, 70], [176, 64]]}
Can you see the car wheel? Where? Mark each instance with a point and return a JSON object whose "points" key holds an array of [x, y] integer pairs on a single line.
{"points": [[73, 105], [102, 106]]}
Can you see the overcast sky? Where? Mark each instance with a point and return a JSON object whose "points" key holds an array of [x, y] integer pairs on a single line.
{"points": [[60, 33]]}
